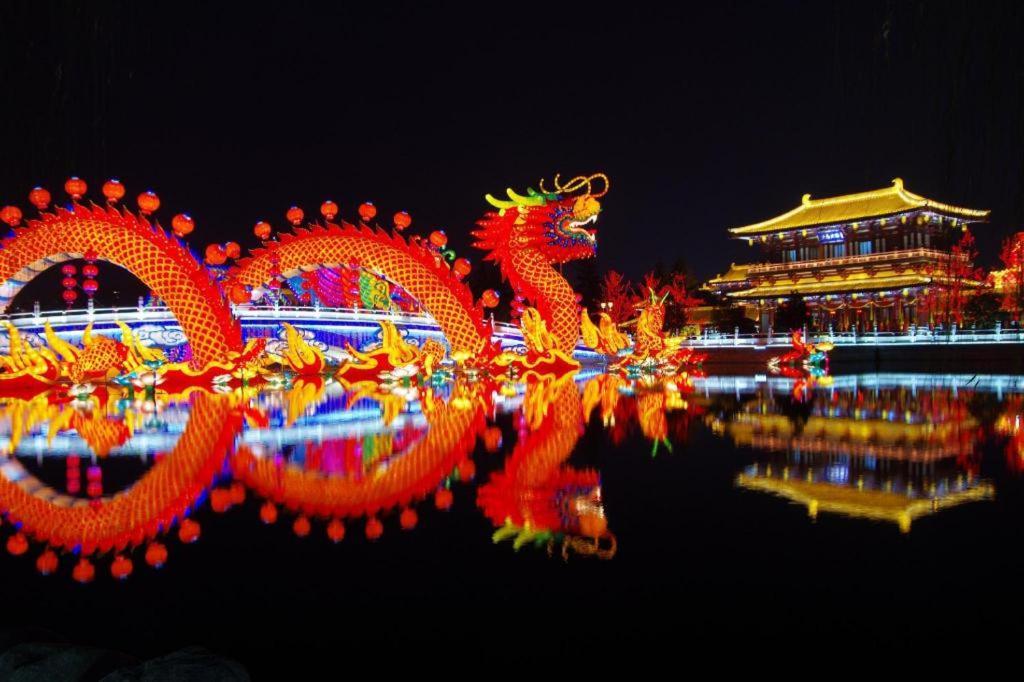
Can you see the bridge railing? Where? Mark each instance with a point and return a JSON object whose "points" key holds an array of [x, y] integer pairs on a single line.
{"points": [[914, 335]]}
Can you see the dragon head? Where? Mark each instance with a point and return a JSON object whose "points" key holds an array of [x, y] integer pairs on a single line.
{"points": [[558, 222]]}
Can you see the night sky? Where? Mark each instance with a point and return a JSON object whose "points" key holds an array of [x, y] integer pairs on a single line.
{"points": [[704, 117]]}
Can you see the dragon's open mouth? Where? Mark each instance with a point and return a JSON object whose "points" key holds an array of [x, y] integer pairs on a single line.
{"points": [[577, 227]]}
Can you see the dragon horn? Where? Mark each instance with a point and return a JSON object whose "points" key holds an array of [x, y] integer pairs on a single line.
{"points": [[499, 203], [665, 297], [524, 201], [604, 179]]}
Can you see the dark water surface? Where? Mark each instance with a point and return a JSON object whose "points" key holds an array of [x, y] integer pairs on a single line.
{"points": [[873, 509]]}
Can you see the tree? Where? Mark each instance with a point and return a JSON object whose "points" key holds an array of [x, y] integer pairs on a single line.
{"points": [[957, 271], [617, 294], [983, 309], [1012, 255]]}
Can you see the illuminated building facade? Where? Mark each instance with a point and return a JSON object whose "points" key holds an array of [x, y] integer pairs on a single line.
{"points": [[879, 259]]}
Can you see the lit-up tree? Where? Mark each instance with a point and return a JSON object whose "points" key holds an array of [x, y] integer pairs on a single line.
{"points": [[617, 297], [958, 270], [1012, 255]]}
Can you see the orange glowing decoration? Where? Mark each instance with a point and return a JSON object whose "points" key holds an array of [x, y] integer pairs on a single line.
{"points": [[113, 191], [490, 298], [39, 197], [262, 230], [220, 500], [268, 513], [408, 519], [462, 267], [17, 544], [443, 499], [11, 215], [189, 531], [367, 211], [467, 470], [238, 294], [336, 530], [75, 187], [301, 526], [84, 571], [216, 254], [294, 215], [374, 528], [232, 250], [149, 202], [121, 567], [182, 225], [46, 563], [402, 220], [492, 439], [237, 491], [439, 239], [328, 210], [156, 555]]}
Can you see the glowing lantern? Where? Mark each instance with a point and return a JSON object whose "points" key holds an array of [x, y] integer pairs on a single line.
{"points": [[90, 286], [336, 530], [467, 470], [237, 491], [182, 225], [374, 528], [113, 190], [329, 209], [402, 220], [75, 187], [149, 202], [69, 282], [156, 555], [83, 571], [189, 531], [492, 439], [238, 294], [461, 267], [46, 563], [443, 499], [90, 270], [490, 298], [121, 567], [215, 254], [438, 238], [220, 500], [69, 296], [301, 526], [367, 211], [408, 519], [17, 544], [39, 197], [11, 215], [295, 215], [262, 230], [69, 270], [232, 250], [268, 513]]}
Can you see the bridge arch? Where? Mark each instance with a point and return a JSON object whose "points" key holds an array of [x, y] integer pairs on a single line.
{"points": [[160, 261]]}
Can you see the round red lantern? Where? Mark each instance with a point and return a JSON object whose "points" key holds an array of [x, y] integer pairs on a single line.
{"points": [[83, 571], [220, 500], [367, 211], [46, 563], [237, 493], [408, 519], [232, 250], [438, 238], [69, 270], [183, 224], [69, 282], [148, 202], [17, 544], [239, 295], [467, 470], [336, 530], [268, 513], [490, 298], [301, 526], [215, 254], [90, 270], [113, 190], [156, 555], [329, 209], [189, 531], [11, 215], [295, 215], [39, 197], [262, 230], [443, 499], [121, 567], [90, 286], [69, 296], [374, 528], [462, 267], [75, 187], [402, 220]]}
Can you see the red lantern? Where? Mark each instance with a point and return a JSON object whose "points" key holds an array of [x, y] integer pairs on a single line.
{"points": [[183, 224], [75, 187], [238, 294], [262, 230], [443, 499], [295, 215], [232, 250], [268, 513], [46, 563], [69, 296], [336, 530], [90, 270], [113, 190], [237, 493], [189, 531], [149, 202], [17, 544], [467, 470], [156, 555], [408, 519], [367, 211], [11, 215], [90, 286], [329, 209], [301, 526], [220, 500], [215, 254], [438, 238], [492, 439], [69, 270], [461, 267], [121, 567], [69, 282], [83, 571], [374, 528], [402, 220], [490, 298], [39, 197]]}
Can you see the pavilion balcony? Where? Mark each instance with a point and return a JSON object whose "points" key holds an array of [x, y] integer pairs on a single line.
{"points": [[904, 255]]}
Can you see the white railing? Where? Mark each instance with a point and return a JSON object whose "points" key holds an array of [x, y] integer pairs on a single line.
{"points": [[914, 335]]}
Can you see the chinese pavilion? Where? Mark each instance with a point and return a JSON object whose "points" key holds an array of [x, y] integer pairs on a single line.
{"points": [[882, 258]]}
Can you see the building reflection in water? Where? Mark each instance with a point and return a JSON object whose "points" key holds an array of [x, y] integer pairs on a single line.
{"points": [[887, 451]]}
